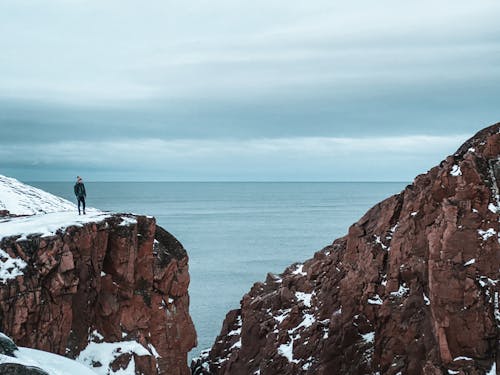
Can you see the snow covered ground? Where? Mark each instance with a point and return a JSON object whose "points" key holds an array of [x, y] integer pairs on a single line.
{"points": [[22, 199], [48, 224], [47, 212], [52, 363]]}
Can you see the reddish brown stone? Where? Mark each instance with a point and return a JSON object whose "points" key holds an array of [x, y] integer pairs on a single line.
{"points": [[99, 277], [412, 289]]}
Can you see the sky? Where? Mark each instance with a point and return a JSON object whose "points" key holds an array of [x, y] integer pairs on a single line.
{"points": [[230, 90]]}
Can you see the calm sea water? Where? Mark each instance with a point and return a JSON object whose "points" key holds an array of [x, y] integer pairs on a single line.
{"points": [[237, 232]]}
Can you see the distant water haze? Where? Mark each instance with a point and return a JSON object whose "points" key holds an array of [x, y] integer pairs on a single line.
{"points": [[235, 233]]}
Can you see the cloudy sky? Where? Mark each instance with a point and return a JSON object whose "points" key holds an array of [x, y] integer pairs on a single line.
{"points": [[243, 90]]}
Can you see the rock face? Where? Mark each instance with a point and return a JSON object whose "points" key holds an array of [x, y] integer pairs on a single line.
{"points": [[411, 289], [121, 283]]}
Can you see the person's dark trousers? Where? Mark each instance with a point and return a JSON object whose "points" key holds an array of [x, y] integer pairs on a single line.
{"points": [[82, 200]]}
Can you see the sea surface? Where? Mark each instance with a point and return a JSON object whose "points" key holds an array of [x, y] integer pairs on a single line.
{"points": [[237, 232]]}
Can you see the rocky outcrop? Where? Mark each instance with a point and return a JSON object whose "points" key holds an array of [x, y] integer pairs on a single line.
{"points": [[8, 362], [411, 289], [112, 293]]}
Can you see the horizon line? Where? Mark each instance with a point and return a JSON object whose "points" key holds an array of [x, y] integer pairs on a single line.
{"points": [[228, 181]]}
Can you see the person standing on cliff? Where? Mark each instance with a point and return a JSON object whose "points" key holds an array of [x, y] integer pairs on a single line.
{"points": [[80, 193]]}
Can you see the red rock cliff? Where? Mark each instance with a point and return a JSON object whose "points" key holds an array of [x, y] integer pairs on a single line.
{"points": [[123, 280], [411, 289]]}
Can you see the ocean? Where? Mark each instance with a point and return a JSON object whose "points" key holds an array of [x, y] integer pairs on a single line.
{"points": [[237, 232]]}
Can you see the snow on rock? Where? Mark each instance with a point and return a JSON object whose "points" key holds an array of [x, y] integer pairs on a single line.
{"points": [[378, 241], [237, 331], [455, 171], [369, 337], [375, 300], [304, 297], [493, 208], [22, 199], [401, 291], [299, 271], [281, 317], [48, 224], [493, 370], [127, 221], [106, 352], [472, 261], [236, 345], [286, 350], [53, 364], [485, 234], [41, 212], [462, 358], [10, 267], [307, 322]]}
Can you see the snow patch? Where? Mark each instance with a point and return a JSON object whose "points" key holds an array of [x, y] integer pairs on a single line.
{"points": [[375, 300], [236, 345], [493, 370], [462, 358], [493, 208], [486, 281], [96, 335], [53, 364], [304, 297], [393, 229], [154, 351], [379, 242], [401, 291], [127, 221], [306, 366], [455, 171], [485, 234], [427, 300], [22, 199], [284, 314], [308, 321], [299, 271], [48, 224], [369, 337], [468, 263], [106, 352], [10, 267], [286, 350], [471, 149], [237, 331]]}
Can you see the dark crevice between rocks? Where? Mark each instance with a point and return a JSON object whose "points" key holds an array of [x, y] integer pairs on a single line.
{"points": [[167, 247], [142, 289]]}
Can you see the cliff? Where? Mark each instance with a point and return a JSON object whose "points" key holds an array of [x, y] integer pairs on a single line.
{"points": [[411, 289], [110, 290]]}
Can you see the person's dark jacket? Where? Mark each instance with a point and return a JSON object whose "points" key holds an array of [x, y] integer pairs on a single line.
{"points": [[80, 190]]}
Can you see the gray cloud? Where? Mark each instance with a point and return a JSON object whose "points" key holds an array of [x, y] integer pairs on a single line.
{"points": [[94, 71], [354, 159]]}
